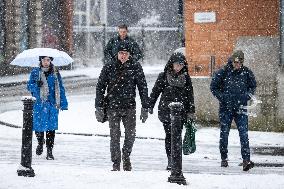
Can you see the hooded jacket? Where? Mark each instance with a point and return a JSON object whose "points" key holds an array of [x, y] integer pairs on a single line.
{"points": [[173, 92], [232, 87]]}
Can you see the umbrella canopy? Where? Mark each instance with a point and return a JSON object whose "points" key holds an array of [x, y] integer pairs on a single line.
{"points": [[30, 57]]}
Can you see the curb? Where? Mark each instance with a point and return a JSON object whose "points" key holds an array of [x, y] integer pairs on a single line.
{"points": [[13, 84], [9, 125], [79, 134]]}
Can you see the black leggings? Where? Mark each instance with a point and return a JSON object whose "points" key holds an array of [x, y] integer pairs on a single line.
{"points": [[168, 132], [167, 128], [50, 135]]}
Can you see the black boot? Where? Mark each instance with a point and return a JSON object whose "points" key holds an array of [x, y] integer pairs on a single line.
{"points": [[40, 139], [116, 167], [247, 165], [224, 163], [126, 161], [49, 155], [39, 149], [127, 164], [50, 135]]}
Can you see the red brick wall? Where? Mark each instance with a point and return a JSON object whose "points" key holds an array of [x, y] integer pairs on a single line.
{"points": [[234, 18]]}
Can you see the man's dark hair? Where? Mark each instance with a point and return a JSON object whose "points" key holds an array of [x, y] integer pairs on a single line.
{"points": [[123, 26]]}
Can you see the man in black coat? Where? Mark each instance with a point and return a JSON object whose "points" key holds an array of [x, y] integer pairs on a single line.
{"points": [[110, 51], [174, 85], [120, 79]]}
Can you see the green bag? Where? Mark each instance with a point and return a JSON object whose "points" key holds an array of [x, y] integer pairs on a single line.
{"points": [[189, 146]]}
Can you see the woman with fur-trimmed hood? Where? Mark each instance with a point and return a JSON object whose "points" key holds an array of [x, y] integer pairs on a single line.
{"points": [[174, 85]]}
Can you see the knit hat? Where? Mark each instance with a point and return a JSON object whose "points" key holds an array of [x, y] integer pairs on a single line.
{"points": [[123, 46], [238, 56], [42, 57], [178, 57]]}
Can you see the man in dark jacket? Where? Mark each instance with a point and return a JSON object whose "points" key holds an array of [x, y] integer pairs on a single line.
{"points": [[174, 85], [232, 86], [110, 51], [120, 78]]}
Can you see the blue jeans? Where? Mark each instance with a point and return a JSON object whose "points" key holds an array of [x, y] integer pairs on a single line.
{"points": [[226, 117]]}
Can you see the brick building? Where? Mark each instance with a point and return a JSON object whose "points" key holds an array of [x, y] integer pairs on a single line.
{"points": [[215, 28], [233, 19]]}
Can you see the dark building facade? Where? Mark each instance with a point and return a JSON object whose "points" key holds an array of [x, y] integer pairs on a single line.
{"points": [[28, 24]]}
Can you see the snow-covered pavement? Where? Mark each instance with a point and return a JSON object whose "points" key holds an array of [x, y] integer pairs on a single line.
{"points": [[84, 161]]}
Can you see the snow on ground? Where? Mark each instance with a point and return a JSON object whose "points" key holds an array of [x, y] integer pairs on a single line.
{"points": [[80, 118], [84, 161]]}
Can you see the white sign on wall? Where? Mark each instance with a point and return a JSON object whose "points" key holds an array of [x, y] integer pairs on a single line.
{"points": [[204, 17]]}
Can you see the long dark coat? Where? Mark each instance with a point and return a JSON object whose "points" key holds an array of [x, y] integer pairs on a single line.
{"points": [[172, 93], [110, 51], [123, 94]]}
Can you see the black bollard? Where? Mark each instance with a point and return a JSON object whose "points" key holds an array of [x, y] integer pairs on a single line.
{"points": [[176, 140], [25, 168]]}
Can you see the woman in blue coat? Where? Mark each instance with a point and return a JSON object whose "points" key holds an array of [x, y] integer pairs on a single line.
{"points": [[45, 84]]}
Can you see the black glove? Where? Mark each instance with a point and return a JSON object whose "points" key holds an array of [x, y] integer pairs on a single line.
{"points": [[144, 114], [39, 83], [99, 114], [150, 110]]}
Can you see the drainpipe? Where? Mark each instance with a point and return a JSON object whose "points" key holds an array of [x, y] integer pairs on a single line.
{"points": [[180, 23], [281, 34]]}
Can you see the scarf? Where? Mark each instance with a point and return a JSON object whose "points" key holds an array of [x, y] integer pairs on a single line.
{"points": [[176, 80], [44, 91], [56, 88]]}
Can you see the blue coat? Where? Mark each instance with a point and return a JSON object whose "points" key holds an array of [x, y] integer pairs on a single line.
{"points": [[232, 87], [45, 113]]}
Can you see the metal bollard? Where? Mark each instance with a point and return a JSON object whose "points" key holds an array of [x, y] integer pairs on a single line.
{"points": [[176, 140], [25, 168]]}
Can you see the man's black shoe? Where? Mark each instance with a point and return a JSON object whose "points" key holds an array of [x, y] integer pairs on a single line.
{"points": [[224, 163], [116, 167], [247, 165]]}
